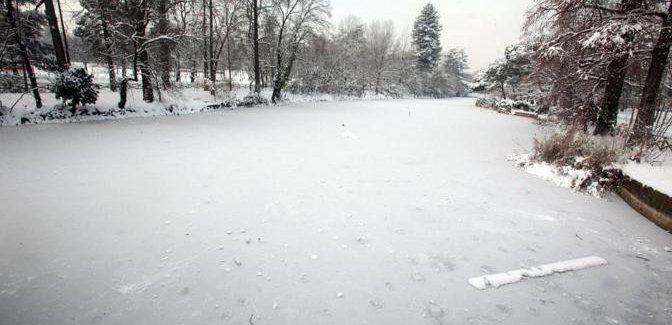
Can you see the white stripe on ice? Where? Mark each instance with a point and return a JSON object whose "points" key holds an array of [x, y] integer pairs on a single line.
{"points": [[500, 279]]}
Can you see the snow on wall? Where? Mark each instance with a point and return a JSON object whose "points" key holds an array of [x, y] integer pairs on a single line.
{"points": [[657, 177]]}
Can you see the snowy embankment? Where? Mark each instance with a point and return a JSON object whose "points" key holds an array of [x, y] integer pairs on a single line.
{"points": [[657, 177], [372, 212], [16, 109]]}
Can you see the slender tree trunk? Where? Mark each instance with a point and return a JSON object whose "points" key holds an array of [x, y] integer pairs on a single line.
{"points": [[108, 47], [646, 113], [211, 49], [192, 76], [616, 71], [25, 79], [229, 61], [24, 54], [65, 36], [164, 46], [59, 50], [205, 42], [178, 67], [255, 41]]}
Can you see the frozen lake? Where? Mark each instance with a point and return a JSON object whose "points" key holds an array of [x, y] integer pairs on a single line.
{"points": [[328, 213]]}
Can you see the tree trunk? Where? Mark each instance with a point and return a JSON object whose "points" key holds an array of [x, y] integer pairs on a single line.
{"points": [[205, 43], [147, 89], [211, 49], [616, 71], [178, 67], [646, 113], [164, 46], [228, 59], [108, 47], [65, 36], [255, 41], [59, 51], [283, 76], [24, 54]]}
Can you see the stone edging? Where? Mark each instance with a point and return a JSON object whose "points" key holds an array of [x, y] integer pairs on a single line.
{"points": [[654, 205]]}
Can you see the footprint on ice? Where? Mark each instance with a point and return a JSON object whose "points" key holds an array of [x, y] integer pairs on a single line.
{"points": [[362, 240], [503, 308], [417, 276], [348, 135], [435, 312], [375, 303]]}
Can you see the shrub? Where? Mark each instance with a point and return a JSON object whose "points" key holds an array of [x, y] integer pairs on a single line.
{"points": [[76, 86], [253, 100], [11, 83]]}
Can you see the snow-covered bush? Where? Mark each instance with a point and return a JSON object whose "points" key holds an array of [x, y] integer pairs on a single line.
{"points": [[511, 104], [76, 87], [506, 105], [573, 159], [253, 100]]}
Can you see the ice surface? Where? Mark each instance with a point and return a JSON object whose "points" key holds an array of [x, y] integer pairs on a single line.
{"points": [[431, 196]]}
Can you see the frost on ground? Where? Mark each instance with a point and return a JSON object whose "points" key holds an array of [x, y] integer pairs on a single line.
{"points": [[214, 218], [500, 279]]}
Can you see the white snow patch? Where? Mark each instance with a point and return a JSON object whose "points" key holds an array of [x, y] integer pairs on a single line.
{"points": [[500, 279], [348, 135], [658, 178], [562, 176]]}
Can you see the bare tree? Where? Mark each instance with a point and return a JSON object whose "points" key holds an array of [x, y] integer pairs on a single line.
{"points": [[297, 19], [616, 70], [24, 53], [659, 58], [380, 37]]}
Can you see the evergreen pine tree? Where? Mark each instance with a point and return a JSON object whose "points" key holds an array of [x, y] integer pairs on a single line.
{"points": [[426, 34]]}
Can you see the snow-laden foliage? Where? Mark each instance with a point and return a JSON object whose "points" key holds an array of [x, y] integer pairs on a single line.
{"points": [[75, 87], [507, 76], [426, 38]]}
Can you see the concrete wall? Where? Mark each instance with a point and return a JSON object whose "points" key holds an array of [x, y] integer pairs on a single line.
{"points": [[654, 205]]}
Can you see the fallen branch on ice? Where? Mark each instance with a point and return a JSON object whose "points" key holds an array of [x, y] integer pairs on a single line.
{"points": [[500, 279]]}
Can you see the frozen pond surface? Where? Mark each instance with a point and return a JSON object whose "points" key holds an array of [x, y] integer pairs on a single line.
{"points": [[331, 213]]}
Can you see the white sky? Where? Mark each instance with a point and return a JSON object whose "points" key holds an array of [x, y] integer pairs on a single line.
{"points": [[482, 27]]}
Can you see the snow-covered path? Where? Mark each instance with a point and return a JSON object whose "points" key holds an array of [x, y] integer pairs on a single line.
{"points": [[328, 213]]}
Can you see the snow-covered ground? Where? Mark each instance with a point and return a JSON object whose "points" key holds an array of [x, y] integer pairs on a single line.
{"points": [[313, 213], [177, 101]]}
